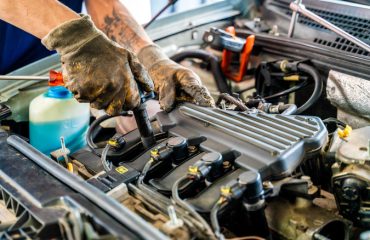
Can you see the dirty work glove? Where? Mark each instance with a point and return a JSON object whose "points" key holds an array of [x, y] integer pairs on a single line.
{"points": [[96, 69], [171, 80]]}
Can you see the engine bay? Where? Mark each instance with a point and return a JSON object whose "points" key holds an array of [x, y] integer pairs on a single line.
{"points": [[285, 154]]}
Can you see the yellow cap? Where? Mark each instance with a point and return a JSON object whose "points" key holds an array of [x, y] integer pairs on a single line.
{"points": [[345, 132]]}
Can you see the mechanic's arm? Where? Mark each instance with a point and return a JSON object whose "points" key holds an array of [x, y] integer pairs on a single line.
{"points": [[95, 69], [35, 17], [171, 80]]}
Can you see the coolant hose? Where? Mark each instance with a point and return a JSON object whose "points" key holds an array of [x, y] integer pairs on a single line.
{"points": [[109, 205], [318, 87], [287, 66], [209, 58]]}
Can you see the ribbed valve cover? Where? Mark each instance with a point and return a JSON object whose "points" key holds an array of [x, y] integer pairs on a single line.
{"points": [[272, 144]]}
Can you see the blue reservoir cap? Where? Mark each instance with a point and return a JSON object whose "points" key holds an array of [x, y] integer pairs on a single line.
{"points": [[58, 92]]}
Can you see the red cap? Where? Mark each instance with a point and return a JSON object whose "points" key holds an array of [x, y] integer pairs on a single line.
{"points": [[55, 78]]}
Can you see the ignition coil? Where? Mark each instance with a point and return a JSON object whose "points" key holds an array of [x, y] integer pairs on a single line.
{"points": [[198, 172], [254, 203], [176, 149], [248, 187], [179, 148], [231, 191], [209, 167]]}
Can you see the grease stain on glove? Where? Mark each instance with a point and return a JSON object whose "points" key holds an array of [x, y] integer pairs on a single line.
{"points": [[96, 69], [172, 81]]}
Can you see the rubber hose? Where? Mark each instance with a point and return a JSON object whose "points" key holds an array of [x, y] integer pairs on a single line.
{"points": [[106, 164], [212, 60], [214, 221], [288, 109], [287, 91], [91, 132], [188, 207], [318, 87], [318, 84], [108, 204], [234, 101]]}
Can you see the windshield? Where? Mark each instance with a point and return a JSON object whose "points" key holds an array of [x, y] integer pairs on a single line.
{"points": [[365, 2], [144, 10]]}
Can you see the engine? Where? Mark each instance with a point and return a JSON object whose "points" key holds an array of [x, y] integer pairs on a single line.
{"points": [[284, 154], [232, 170]]}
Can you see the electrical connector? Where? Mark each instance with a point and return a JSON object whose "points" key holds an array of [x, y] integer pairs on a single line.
{"points": [[233, 190], [154, 152], [117, 142], [198, 170], [226, 193], [192, 170], [154, 155]]}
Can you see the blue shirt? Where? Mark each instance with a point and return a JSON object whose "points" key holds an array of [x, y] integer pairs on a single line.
{"points": [[18, 48]]}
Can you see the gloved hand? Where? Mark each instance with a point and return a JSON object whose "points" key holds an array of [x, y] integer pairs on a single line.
{"points": [[171, 80], [96, 69]]}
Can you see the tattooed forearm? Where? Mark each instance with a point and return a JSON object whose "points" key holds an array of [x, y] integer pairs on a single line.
{"points": [[123, 29], [114, 20]]}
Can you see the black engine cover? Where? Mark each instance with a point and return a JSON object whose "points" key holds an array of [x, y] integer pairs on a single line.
{"points": [[274, 145]]}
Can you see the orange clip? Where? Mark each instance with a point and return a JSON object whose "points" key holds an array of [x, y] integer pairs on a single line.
{"points": [[227, 55]]}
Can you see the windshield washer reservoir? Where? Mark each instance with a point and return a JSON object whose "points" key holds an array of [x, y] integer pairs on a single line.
{"points": [[56, 114]]}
